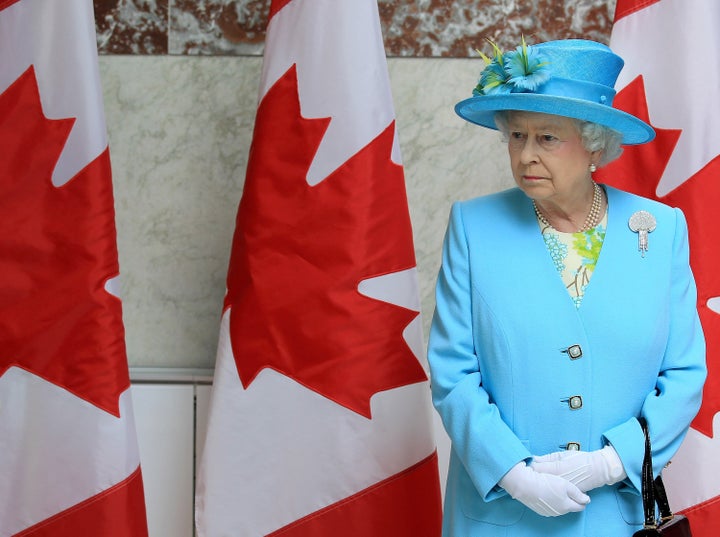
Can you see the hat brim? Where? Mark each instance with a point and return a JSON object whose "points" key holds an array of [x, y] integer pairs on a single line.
{"points": [[481, 111]]}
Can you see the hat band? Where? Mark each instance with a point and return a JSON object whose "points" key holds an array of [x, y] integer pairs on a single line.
{"points": [[576, 89]]}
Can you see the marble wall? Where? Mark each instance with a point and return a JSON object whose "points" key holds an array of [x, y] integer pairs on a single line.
{"points": [[180, 82], [412, 28]]}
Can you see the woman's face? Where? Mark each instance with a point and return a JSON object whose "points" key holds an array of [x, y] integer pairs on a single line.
{"points": [[547, 156]]}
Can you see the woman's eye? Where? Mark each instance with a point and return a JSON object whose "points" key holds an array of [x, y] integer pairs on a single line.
{"points": [[548, 141], [516, 140]]}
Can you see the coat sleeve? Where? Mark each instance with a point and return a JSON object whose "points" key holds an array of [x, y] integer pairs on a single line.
{"points": [[675, 401], [480, 438]]}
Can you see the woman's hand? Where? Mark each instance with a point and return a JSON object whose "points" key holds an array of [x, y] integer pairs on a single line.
{"points": [[586, 469], [544, 493]]}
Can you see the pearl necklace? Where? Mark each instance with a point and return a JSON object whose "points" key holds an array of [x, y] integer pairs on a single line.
{"points": [[593, 216]]}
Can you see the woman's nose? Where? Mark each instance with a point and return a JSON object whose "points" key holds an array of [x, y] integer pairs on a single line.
{"points": [[528, 152]]}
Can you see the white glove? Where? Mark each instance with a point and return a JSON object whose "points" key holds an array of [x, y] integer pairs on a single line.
{"points": [[546, 494], [586, 469]]}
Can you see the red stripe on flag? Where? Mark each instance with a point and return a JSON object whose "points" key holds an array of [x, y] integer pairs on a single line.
{"points": [[703, 517], [404, 505], [7, 3], [623, 8], [116, 512]]}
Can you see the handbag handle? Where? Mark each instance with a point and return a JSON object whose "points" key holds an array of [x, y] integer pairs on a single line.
{"points": [[662, 501], [648, 490], [653, 491]]}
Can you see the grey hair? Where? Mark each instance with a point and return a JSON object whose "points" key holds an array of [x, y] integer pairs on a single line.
{"points": [[595, 137]]}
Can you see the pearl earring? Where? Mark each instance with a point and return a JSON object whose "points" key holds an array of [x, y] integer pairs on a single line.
{"points": [[593, 168]]}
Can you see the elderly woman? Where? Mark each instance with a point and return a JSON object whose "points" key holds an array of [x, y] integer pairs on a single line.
{"points": [[565, 311]]}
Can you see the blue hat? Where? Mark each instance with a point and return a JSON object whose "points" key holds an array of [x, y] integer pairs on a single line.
{"points": [[573, 78]]}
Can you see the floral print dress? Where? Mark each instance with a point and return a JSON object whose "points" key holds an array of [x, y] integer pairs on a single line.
{"points": [[575, 255]]}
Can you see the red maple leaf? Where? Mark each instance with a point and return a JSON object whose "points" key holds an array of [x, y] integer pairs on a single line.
{"points": [[639, 170], [275, 6], [300, 251], [57, 251], [624, 8]]}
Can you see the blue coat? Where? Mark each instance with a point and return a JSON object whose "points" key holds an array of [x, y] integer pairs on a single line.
{"points": [[504, 367]]}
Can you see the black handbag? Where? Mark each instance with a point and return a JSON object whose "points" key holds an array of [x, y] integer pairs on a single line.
{"points": [[668, 525]]}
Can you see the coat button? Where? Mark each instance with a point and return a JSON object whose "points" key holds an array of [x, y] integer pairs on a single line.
{"points": [[575, 402], [572, 446], [574, 352]]}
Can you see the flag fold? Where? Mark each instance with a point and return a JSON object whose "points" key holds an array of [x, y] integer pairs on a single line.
{"points": [[672, 52], [69, 457], [320, 397]]}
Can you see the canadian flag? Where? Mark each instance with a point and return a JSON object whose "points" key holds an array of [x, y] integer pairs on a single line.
{"points": [[671, 79], [69, 462], [320, 419]]}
